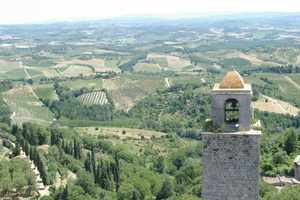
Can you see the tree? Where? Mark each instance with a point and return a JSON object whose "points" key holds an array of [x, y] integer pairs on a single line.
{"points": [[159, 164], [136, 195], [166, 190], [116, 171], [16, 150], [88, 163], [85, 181], [178, 159], [290, 141], [93, 161]]}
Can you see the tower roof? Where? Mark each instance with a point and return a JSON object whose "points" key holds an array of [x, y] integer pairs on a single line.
{"points": [[232, 80]]}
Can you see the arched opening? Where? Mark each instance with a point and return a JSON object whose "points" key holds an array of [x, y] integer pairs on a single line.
{"points": [[232, 111]]}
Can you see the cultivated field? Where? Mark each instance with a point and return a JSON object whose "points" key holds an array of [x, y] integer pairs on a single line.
{"points": [[288, 88], [77, 70], [77, 84], [26, 106], [269, 104], [50, 72], [170, 62], [122, 133], [147, 67], [13, 74], [128, 89], [94, 98], [99, 65], [296, 79], [254, 60], [45, 91], [6, 65]]}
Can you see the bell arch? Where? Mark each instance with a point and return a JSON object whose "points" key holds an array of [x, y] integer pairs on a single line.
{"points": [[232, 111]]}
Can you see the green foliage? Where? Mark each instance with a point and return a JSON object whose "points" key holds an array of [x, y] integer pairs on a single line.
{"points": [[166, 190], [290, 141], [288, 193], [128, 66], [276, 123], [235, 62], [181, 109], [69, 106], [4, 111], [16, 174], [5, 85], [278, 152]]}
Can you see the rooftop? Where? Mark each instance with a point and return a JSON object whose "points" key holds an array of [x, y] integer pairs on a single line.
{"points": [[232, 80]]}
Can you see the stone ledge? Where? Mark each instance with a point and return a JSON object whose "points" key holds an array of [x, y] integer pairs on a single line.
{"points": [[250, 132]]}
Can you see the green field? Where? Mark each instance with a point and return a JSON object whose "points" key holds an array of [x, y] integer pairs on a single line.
{"points": [[126, 90], [147, 67], [14, 74], [287, 90], [77, 84], [45, 91], [26, 107]]}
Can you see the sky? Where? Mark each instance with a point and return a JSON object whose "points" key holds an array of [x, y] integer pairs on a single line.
{"points": [[28, 11]]}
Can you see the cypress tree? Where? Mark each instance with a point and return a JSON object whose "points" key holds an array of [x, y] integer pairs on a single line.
{"points": [[88, 163], [93, 161], [116, 172]]}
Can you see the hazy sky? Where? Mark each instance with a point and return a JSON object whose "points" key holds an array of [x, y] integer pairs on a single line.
{"points": [[23, 11]]}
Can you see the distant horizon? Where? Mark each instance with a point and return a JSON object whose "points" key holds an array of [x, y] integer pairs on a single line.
{"points": [[37, 11], [183, 16]]}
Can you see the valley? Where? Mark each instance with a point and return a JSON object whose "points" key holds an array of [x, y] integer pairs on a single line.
{"points": [[116, 109]]}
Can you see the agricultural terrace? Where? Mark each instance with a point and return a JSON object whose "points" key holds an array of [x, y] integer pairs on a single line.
{"points": [[94, 98], [26, 107]]}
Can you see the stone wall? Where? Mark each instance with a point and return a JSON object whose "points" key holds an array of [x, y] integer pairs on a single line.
{"points": [[218, 103], [231, 166], [297, 171]]}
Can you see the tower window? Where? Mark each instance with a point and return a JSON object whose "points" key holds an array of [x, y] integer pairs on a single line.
{"points": [[232, 113]]}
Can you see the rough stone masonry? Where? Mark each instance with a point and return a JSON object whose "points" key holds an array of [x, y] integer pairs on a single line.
{"points": [[231, 166]]}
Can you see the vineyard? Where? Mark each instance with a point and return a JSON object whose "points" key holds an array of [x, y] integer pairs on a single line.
{"points": [[92, 98]]}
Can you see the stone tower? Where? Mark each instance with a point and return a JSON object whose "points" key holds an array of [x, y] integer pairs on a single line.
{"points": [[231, 153]]}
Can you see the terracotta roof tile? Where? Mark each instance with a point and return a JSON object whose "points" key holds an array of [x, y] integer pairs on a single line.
{"points": [[232, 80]]}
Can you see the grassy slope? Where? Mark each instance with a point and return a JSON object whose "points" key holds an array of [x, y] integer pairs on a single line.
{"points": [[26, 106]]}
